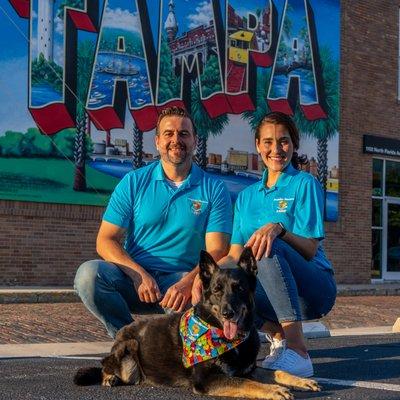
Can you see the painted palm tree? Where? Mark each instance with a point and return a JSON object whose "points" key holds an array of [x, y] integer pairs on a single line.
{"points": [[205, 125], [255, 117], [324, 129], [137, 150], [79, 4], [85, 57]]}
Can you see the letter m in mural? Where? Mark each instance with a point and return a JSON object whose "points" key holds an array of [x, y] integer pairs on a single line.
{"points": [[296, 75]]}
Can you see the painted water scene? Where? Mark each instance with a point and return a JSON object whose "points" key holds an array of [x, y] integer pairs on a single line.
{"points": [[202, 52]]}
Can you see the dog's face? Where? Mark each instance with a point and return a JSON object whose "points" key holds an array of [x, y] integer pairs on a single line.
{"points": [[228, 292]]}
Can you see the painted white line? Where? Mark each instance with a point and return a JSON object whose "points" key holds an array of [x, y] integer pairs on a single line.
{"points": [[53, 349], [362, 384], [75, 357], [366, 330]]}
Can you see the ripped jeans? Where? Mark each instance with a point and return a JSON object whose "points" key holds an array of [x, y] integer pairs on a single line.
{"points": [[290, 288]]}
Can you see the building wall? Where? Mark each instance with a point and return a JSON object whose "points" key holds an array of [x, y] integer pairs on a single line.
{"points": [[42, 244], [369, 105]]}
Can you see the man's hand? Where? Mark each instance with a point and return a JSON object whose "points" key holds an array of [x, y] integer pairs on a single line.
{"points": [[178, 295], [197, 289], [261, 240], [146, 287]]}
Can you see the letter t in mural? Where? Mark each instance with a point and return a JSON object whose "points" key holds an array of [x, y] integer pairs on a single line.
{"points": [[53, 59]]}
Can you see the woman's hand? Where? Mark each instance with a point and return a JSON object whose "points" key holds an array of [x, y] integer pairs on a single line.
{"points": [[261, 240]]}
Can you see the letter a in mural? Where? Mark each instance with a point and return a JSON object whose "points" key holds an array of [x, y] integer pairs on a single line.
{"points": [[53, 60], [120, 70], [295, 74]]}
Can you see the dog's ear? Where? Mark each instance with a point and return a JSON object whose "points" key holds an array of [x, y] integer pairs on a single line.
{"points": [[207, 267], [248, 262]]}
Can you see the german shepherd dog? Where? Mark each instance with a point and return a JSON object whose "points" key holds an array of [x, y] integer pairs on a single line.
{"points": [[151, 350]]}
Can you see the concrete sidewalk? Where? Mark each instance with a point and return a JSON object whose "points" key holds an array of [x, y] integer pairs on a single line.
{"points": [[72, 323]]}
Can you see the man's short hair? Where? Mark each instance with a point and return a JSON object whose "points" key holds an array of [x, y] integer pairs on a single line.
{"points": [[174, 111]]}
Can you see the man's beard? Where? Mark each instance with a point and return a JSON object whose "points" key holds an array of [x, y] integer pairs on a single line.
{"points": [[177, 159]]}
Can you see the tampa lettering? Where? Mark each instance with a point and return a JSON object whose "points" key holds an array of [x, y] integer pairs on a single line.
{"points": [[231, 47]]}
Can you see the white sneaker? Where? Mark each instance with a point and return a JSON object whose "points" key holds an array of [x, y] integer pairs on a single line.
{"points": [[294, 363], [276, 348]]}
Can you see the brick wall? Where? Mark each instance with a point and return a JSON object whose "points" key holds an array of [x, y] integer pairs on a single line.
{"points": [[369, 71], [43, 244]]}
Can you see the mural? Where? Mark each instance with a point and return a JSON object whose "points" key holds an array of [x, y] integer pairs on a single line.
{"points": [[82, 83]]}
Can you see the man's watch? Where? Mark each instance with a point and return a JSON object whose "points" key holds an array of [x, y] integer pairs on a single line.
{"points": [[283, 231]]}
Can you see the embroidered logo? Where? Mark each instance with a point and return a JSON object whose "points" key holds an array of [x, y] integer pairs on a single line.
{"points": [[197, 206], [282, 204]]}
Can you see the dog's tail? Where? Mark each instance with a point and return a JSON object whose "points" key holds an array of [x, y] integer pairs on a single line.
{"points": [[88, 376]]}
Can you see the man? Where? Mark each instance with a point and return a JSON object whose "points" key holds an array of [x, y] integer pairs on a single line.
{"points": [[167, 211]]}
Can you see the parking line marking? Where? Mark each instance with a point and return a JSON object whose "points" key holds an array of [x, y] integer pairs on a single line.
{"points": [[363, 384], [76, 357]]}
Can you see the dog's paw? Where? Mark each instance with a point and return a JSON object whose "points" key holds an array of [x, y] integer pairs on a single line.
{"points": [[110, 380], [305, 384], [279, 393]]}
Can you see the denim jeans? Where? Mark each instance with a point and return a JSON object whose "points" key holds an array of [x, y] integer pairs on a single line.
{"points": [[290, 288], [109, 294]]}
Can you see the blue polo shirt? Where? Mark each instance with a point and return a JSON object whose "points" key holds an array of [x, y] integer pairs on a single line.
{"points": [[296, 200], [166, 226]]}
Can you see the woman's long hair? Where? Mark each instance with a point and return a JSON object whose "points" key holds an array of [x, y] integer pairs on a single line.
{"points": [[278, 118]]}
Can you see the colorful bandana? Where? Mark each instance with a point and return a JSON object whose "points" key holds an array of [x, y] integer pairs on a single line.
{"points": [[201, 341]]}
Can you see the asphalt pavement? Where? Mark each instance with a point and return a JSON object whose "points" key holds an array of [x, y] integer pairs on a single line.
{"points": [[347, 367]]}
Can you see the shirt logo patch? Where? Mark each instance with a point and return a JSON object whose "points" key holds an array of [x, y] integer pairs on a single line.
{"points": [[197, 206], [282, 204]]}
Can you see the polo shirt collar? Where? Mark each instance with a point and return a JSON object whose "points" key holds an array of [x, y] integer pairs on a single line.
{"points": [[194, 177], [283, 180]]}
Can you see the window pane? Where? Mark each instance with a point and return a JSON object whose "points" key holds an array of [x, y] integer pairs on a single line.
{"points": [[393, 238], [376, 271], [376, 212], [392, 178], [377, 173]]}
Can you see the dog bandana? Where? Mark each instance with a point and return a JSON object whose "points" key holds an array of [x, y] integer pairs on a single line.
{"points": [[201, 341]]}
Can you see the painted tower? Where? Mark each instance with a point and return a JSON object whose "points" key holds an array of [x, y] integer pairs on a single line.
{"points": [[45, 28], [171, 26]]}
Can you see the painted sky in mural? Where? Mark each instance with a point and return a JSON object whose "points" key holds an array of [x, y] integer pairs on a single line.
{"points": [[108, 69]]}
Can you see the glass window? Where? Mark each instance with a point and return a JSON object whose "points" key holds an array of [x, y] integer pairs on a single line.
{"points": [[377, 177], [393, 238], [376, 212], [376, 270], [392, 179]]}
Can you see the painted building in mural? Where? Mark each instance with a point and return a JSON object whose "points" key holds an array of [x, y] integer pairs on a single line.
{"points": [[94, 75]]}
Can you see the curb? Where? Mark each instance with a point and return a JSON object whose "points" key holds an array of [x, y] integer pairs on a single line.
{"points": [[38, 295], [9, 295], [378, 289]]}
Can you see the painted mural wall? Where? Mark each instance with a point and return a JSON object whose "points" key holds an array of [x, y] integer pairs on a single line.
{"points": [[82, 83]]}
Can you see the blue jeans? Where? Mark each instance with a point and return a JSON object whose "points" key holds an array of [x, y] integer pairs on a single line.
{"points": [[290, 288], [109, 294]]}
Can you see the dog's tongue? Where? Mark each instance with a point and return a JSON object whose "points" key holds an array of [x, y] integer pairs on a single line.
{"points": [[230, 329]]}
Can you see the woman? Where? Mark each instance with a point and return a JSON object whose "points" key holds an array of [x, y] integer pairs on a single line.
{"points": [[281, 219]]}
